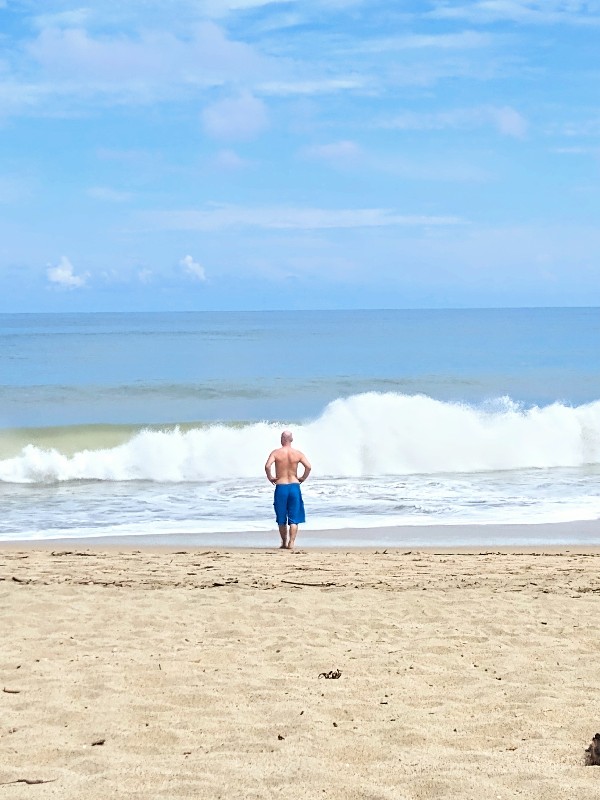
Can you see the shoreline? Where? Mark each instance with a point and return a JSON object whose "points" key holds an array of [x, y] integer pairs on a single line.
{"points": [[547, 536]]}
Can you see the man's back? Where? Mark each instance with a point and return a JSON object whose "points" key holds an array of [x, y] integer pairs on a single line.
{"points": [[286, 460]]}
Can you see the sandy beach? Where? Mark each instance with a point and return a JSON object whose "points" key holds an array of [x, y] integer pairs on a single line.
{"points": [[189, 672]]}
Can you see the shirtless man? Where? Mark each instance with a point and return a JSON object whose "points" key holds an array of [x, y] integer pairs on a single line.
{"points": [[289, 508]]}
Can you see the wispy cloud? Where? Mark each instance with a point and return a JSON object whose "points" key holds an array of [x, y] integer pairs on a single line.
{"points": [[316, 86], [229, 160], [145, 276], [507, 121], [337, 153], [571, 129], [75, 57], [348, 154], [129, 157], [219, 8], [235, 118], [279, 218], [106, 194], [63, 274], [71, 18], [577, 151], [451, 167], [150, 65], [465, 40], [544, 12]]}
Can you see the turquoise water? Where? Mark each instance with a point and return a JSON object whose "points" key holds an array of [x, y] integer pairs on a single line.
{"points": [[133, 423]]}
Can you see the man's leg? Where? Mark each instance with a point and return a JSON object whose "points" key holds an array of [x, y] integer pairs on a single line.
{"points": [[283, 532], [292, 539], [295, 512]]}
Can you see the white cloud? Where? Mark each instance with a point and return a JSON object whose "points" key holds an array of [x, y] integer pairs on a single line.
{"points": [[452, 167], [577, 151], [340, 153], [581, 128], [279, 218], [152, 65], [343, 149], [242, 117], [145, 276], [230, 160], [107, 194], [506, 120], [465, 40], [62, 19], [219, 8], [313, 87], [193, 269], [577, 12], [62, 275]]}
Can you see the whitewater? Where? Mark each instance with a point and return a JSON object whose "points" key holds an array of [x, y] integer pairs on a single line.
{"points": [[110, 460], [365, 436]]}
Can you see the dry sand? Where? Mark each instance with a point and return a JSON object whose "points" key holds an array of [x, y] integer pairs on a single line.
{"points": [[163, 674]]}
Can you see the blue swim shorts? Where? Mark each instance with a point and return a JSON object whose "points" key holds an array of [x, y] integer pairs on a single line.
{"points": [[289, 507]]}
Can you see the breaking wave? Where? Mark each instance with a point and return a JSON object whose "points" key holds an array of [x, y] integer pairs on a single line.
{"points": [[372, 434]]}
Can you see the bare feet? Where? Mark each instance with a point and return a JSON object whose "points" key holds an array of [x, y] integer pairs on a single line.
{"points": [[288, 537], [292, 539], [283, 532]]}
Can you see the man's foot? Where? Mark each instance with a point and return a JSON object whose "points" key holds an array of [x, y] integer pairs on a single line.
{"points": [[292, 540], [283, 532]]}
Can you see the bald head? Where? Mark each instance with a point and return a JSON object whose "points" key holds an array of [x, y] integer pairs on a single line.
{"points": [[286, 438]]}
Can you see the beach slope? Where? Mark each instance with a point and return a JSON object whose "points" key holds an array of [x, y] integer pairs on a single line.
{"points": [[209, 673]]}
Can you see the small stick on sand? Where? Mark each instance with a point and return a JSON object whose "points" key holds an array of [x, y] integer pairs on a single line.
{"points": [[302, 583]]}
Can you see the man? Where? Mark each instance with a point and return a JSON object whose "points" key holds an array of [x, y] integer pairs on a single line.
{"points": [[289, 508]]}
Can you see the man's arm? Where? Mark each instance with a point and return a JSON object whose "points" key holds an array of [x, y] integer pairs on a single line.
{"points": [[268, 465], [307, 467]]}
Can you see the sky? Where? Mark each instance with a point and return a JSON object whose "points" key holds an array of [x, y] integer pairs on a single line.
{"points": [[247, 154]]}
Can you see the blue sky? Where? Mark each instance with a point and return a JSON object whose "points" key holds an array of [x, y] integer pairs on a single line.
{"points": [[247, 154]]}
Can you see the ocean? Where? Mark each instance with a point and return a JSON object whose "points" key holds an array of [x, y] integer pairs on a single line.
{"points": [[159, 424]]}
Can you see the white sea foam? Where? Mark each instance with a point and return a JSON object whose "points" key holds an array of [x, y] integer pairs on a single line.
{"points": [[372, 434]]}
